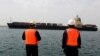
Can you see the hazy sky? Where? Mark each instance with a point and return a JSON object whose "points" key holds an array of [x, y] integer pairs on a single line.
{"points": [[52, 11]]}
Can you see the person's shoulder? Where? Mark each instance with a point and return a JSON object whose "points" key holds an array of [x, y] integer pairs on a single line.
{"points": [[77, 30], [35, 30]]}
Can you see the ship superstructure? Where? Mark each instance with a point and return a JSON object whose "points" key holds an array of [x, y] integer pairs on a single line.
{"points": [[78, 22]]}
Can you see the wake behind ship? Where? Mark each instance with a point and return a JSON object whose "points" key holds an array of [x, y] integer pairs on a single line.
{"points": [[54, 26]]}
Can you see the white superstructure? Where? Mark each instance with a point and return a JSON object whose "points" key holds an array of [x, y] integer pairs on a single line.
{"points": [[78, 22]]}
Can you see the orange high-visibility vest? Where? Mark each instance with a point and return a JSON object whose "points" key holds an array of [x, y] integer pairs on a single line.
{"points": [[30, 37], [73, 35]]}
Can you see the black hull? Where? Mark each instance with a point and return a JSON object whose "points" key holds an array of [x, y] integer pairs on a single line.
{"points": [[23, 26]]}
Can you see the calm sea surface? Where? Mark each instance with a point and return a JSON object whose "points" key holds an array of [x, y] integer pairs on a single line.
{"points": [[11, 43]]}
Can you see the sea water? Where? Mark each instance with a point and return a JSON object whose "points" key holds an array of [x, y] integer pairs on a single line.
{"points": [[11, 43]]}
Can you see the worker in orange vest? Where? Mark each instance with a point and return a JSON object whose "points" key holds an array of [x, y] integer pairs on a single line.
{"points": [[31, 37], [71, 39]]}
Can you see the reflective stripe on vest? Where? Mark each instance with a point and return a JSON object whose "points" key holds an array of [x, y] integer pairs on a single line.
{"points": [[30, 37], [72, 39]]}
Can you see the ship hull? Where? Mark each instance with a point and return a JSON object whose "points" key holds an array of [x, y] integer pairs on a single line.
{"points": [[26, 25]]}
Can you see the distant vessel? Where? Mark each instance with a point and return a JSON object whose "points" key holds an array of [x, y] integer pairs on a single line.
{"points": [[54, 26]]}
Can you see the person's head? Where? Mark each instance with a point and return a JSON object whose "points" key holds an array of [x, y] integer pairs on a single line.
{"points": [[32, 26], [71, 23]]}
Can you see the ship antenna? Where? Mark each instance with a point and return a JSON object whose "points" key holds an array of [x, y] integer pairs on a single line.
{"points": [[77, 16]]}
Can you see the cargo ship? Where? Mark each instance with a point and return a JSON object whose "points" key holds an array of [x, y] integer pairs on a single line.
{"points": [[54, 26]]}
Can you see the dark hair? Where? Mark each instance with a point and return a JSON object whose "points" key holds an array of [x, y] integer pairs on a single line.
{"points": [[32, 25], [71, 26]]}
